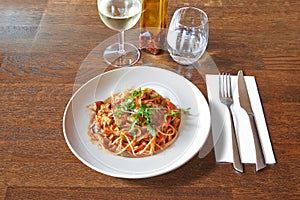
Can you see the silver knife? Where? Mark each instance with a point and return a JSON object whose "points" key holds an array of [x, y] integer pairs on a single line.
{"points": [[246, 105]]}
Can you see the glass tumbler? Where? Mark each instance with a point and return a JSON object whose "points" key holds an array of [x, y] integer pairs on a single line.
{"points": [[187, 36]]}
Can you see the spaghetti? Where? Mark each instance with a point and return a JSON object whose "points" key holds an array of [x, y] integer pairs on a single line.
{"points": [[134, 123]]}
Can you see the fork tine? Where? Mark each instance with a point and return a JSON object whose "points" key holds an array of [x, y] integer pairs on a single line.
{"points": [[228, 85], [225, 85], [220, 86]]}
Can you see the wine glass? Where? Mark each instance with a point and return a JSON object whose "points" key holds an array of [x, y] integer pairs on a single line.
{"points": [[187, 36], [120, 15]]}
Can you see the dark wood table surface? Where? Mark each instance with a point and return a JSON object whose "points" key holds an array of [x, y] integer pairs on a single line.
{"points": [[43, 43]]}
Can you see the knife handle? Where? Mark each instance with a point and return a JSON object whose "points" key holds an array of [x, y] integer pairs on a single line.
{"points": [[260, 161], [237, 164]]}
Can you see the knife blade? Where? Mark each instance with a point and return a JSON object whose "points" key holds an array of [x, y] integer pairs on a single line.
{"points": [[246, 105]]}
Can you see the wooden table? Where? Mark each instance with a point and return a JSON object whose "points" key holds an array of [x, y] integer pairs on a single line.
{"points": [[42, 46]]}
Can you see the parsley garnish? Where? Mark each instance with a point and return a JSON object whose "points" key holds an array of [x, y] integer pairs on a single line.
{"points": [[136, 93], [176, 113], [140, 114]]}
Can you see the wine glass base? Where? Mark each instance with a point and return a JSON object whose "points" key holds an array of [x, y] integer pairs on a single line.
{"points": [[118, 59]]}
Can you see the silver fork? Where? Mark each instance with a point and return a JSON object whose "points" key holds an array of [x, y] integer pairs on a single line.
{"points": [[225, 95]]}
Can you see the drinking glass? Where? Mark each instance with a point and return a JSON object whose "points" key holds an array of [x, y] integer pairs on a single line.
{"points": [[187, 35], [120, 15]]}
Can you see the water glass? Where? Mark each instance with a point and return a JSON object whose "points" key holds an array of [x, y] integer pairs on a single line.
{"points": [[187, 35]]}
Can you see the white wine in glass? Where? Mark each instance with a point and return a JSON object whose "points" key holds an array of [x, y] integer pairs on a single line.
{"points": [[120, 15]]}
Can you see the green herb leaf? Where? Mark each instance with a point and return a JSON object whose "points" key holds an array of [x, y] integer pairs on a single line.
{"points": [[173, 114], [186, 111], [130, 106], [131, 129], [151, 130], [136, 93], [176, 113]]}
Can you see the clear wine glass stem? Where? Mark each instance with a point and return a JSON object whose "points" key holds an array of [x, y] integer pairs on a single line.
{"points": [[121, 43], [120, 15]]}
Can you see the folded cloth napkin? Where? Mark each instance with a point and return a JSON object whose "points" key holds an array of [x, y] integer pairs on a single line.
{"points": [[221, 123]]}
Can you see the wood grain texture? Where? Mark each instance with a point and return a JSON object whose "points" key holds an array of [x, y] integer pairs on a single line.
{"points": [[43, 44]]}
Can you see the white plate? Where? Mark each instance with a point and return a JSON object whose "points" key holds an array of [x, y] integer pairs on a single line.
{"points": [[193, 130]]}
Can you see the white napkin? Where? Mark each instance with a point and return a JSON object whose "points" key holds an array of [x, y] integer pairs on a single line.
{"points": [[221, 123]]}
